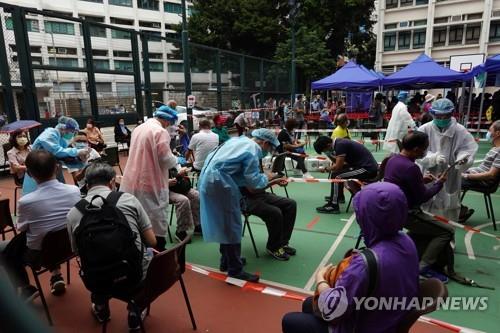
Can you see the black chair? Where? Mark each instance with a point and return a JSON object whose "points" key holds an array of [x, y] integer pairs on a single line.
{"points": [[111, 157], [6, 147], [56, 249], [279, 164], [19, 186], [6, 223], [246, 224], [487, 192], [165, 269], [429, 289]]}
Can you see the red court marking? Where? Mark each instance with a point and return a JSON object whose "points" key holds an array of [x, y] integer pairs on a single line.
{"points": [[313, 222]]}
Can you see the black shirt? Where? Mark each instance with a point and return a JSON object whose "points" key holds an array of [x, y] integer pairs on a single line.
{"points": [[356, 155], [284, 138]]}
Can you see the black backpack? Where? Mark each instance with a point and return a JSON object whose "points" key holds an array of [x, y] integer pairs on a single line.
{"points": [[111, 263]]}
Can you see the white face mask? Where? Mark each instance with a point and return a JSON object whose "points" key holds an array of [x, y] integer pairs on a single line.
{"points": [[22, 141]]}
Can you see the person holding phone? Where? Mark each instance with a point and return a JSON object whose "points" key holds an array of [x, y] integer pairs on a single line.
{"points": [[402, 170]]}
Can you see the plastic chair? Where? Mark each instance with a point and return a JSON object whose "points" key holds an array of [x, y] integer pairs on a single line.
{"points": [[487, 192], [165, 269], [6, 223], [112, 158], [56, 249], [431, 288]]}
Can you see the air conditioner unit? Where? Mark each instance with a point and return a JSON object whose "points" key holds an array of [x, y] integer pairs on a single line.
{"points": [[404, 24], [456, 18], [62, 50], [51, 50], [156, 25]]}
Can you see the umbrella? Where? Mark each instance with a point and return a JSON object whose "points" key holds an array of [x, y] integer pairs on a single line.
{"points": [[19, 126]]}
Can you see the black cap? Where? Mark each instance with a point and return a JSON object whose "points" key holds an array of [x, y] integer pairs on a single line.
{"points": [[322, 143]]}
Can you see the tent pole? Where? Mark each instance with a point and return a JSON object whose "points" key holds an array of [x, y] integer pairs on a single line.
{"points": [[461, 104], [483, 89], [470, 102]]}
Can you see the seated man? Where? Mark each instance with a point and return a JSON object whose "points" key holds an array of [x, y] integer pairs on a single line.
{"points": [[487, 173], [80, 142], [341, 130], [40, 212], [186, 201], [100, 178], [220, 129], [201, 144], [350, 160], [241, 124], [402, 171], [278, 213], [381, 211], [289, 144]]}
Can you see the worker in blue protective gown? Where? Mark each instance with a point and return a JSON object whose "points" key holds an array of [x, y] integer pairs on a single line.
{"points": [[229, 167], [56, 141]]}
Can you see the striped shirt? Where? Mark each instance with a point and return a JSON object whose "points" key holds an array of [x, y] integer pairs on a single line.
{"points": [[492, 160]]}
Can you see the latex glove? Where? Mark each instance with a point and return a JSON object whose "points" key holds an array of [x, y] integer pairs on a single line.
{"points": [[440, 159]]}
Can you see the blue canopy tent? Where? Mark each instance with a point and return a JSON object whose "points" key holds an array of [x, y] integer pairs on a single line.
{"points": [[424, 72], [350, 77]]}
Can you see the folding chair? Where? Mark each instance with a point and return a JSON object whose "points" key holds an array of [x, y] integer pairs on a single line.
{"points": [[246, 224], [165, 269], [56, 249], [487, 192], [111, 157], [6, 223], [429, 289]]}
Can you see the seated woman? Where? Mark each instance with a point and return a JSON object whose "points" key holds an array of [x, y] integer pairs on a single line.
{"points": [[94, 135], [341, 131], [122, 133], [325, 119], [381, 211], [17, 154]]}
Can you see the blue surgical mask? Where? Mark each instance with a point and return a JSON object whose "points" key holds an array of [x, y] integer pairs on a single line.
{"points": [[81, 145], [442, 123], [264, 153], [489, 137], [68, 136]]}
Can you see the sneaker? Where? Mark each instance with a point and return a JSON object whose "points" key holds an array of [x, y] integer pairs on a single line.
{"points": [[329, 208], [246, 276], [28, 293], [134, 323], [100, 312], [289, 250], [181, 235], [197, 230], [428, 272], [279, 254], [223, 267], [57, 285], [341, 200], [307, 175]]}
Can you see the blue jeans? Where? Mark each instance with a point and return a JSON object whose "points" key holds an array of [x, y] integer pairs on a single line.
{"points": [[305, 321]]}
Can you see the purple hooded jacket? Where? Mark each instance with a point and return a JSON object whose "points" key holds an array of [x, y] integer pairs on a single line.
{"points": [[381, 212]]}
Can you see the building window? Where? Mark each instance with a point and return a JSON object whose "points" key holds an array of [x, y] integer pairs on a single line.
{"points": [[31, 25], [59, 28], [475, 16], [421, 2], [126, 3], [175, 8], [120, 21], [120, 34], [439, 20], [404, 40], [173, 35], [439, 37], [418, 39], [156, 67], [391, 4], [406, 3], [456, 35], [96, 1], [148, 4], [97, 31], [99, 53], [176, 67], [122, 54], [157, 56], [390, 41], [101, 64], [63, 62], [419, 23], [472, 34], [495, 31], [390, 26], [124, 65]]}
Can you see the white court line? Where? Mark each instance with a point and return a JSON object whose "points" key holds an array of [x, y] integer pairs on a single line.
{"points": [[468, 238], [330, 252]]}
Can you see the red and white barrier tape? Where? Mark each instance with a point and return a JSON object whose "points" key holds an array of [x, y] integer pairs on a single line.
{"points": [[323, 180], [461, 226], [445, 325], [245, 285]]}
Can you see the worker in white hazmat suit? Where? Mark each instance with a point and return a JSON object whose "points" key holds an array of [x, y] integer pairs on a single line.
{"points": [[399, 124]]}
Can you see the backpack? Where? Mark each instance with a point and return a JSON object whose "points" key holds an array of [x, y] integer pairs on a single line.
{"points": [[110, 261]]}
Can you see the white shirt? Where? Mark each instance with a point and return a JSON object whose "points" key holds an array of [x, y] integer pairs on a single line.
{"points": [[202, 144], [45, 210], [240, 120]]}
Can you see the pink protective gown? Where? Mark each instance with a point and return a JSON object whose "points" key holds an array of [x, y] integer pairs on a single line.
{"points": [[146, 173]]}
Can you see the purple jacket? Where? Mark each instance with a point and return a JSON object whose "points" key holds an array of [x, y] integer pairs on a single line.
{"points": [[381, 211]]}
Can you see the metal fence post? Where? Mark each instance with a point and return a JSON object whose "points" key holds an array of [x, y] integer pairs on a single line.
{"points": [[25, 68], [137, 74], [218, 68], [242, 80], [261, 77], [8, 97], [147, 75], [89, 64]]}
